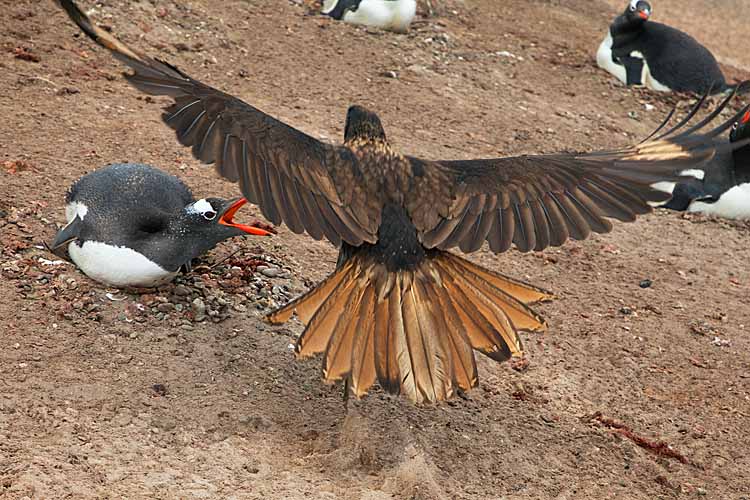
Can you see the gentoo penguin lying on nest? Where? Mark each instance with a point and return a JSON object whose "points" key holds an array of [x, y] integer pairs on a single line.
{"points": [[394, 15], [401, 308], [724, 189], [135, 225], [641, 52]]}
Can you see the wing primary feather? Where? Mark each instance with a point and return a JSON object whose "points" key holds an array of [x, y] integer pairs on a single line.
{"points": [[341, 229], [557, 225], [248, 179], [524, 239], [315, 228], [689, 116], [169, 115], [610, 204], [185, 133], [328, 229], [508, 228], [728, 123], [197, 149], [541, 227], [590, 211], [269, 205], [230, 167], [210, 144], [279, 196], [302, 218], [709, 117], [663, 124], [576, 225]]}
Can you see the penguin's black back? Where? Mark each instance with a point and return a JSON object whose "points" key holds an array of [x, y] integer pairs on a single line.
{"points": [[674, 58], [127, 204], [130, 187]]}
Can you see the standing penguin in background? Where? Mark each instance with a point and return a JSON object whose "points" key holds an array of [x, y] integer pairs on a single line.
{"points": [[135, 225], [394, 15], [641, 52]]}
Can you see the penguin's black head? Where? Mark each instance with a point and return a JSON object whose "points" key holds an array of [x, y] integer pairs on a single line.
{"points": [[214, 217], [741, 128], [202, 225], [362, 123], [638, 11]]}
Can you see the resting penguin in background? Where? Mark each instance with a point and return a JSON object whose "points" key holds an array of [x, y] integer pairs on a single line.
{"points": [[134, 225], [724, 190], [394, 15], [641, 52]]}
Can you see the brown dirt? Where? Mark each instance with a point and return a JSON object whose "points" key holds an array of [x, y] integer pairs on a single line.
{"points": [[95, 404]]}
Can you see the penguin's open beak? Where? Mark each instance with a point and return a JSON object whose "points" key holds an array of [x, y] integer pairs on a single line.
{"points": [[227, 219], [644, 14]]}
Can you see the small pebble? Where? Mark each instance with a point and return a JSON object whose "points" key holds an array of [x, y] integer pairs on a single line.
{"points": [[160, 389], [199, 307], [165, 307], [272, 272]]}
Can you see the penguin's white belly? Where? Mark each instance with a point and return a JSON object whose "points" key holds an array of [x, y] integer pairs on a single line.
{"points": [[395, 15], [733, 204], [117, 266], [604, 59]]}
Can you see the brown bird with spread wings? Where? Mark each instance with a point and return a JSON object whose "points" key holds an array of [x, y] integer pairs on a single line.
{"points": [[399, 308]]}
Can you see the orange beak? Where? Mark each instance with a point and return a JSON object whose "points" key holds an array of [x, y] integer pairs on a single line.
{"points": [[745, 118], [643, 14], [227, 219]]}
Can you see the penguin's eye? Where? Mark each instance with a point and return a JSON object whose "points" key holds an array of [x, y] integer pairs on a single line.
{"points": [[209, 215], [734, 127], [632, 8]]}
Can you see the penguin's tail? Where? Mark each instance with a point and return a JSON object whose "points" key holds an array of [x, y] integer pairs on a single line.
{"points": [[412, 330]]}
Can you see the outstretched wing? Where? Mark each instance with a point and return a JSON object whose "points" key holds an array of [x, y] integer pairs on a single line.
{"points": [[294, 178], [540, 201]]}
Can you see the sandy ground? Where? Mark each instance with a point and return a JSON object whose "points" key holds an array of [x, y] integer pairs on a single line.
{"points": [[135, 395]]}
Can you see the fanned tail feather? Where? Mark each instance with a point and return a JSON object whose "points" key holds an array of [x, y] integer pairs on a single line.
{"points": [[412, 330]]}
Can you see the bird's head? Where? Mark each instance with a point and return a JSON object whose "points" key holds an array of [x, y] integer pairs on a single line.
{"points": [[362, 123], [741, 128], [638, 10]]}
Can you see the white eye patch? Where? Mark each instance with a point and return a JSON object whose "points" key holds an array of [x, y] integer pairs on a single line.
{"points": [[633, 4], [202, 207]]}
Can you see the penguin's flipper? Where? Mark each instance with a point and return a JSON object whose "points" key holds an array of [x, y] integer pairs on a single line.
{"points": [[633, 69], [684, 193], [67, 234]]}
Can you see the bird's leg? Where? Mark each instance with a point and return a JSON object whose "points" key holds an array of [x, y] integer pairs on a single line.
{"points": [[347, 382]]}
